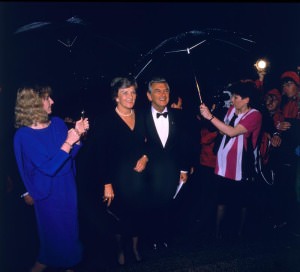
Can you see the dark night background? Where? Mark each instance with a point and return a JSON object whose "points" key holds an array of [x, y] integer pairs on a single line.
{"points": [[114, 40], [115, 36]]}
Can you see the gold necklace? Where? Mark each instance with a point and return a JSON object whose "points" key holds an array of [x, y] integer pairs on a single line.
{"points": [[122, 114]]}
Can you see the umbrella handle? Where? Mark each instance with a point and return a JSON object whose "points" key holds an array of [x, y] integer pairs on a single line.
{"points": [[82, 114], [199, 92]]}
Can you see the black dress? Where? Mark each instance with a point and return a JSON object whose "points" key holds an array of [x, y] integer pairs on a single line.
{"points": [[118, 150]]}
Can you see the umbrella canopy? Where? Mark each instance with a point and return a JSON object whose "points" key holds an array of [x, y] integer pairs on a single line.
{"points": [[201, 57], [73, 57], [74, 43]]}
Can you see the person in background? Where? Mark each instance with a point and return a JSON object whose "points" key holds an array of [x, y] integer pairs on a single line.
{"points": [[271, 117], [240, 129], [121, 158], [204, 191], [177, 105], [286, 160], [290, 84], [270, 190], [45, 150]]}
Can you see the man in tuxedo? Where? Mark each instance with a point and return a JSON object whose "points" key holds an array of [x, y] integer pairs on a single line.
{"points": [[168, 162]]}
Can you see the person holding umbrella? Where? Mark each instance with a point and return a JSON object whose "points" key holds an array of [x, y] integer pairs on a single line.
{"points": [[235, 157], [45, 150]]}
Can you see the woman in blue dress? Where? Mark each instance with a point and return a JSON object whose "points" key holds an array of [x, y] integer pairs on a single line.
{"points": [[45, 150]]}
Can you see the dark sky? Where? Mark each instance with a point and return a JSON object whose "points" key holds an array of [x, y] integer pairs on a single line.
{"points": [[116, 36]]}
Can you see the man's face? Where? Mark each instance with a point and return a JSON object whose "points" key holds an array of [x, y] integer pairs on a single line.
{"points": [[289, 89], [272, 103], [159, 96]]}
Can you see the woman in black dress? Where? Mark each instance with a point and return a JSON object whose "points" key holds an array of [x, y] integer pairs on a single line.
{"points": [[122, 159]]}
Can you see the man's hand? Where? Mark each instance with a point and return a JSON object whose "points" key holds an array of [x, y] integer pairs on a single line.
{"points": [[177, 105], [28, 200], [141, 164], [108, 194], [183, 177]]}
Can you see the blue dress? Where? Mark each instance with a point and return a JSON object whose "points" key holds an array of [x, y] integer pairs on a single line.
{"points": [[48, 174]]}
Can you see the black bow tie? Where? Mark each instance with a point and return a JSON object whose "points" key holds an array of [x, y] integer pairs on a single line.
{"points": [[164, 114]]}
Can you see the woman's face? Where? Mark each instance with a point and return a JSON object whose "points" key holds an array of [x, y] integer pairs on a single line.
{"points": [[47, 103], [126, 97], [239, 103]]}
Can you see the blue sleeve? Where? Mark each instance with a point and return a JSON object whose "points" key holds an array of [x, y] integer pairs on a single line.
{"points": [[74, 151], [35, 153]]}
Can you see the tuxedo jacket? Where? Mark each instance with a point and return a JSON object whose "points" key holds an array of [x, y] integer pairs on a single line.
{"points": [[166, 162]]}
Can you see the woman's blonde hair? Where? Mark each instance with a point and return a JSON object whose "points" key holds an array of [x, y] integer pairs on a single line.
{"points": [[29, 107]]}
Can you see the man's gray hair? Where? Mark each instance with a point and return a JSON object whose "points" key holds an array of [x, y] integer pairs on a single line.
{"points": [[157, 80]]}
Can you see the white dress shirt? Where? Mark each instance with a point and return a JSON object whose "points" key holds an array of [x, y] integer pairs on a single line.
{"points": [[162, 125]]}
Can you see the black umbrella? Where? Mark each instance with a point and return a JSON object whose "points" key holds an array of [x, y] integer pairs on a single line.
{"points": [[67, 24], [209, 50], [73, 55], [75, 42]]}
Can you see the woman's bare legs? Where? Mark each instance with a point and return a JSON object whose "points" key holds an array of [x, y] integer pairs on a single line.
{"points": [[121, 256], [135, 241], [220, 216], [38, 267]]}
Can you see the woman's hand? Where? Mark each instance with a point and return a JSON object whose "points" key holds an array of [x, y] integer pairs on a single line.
{"points": [[108, 194], [141, 164], [82, 126], [73, 136], [205, 112], [183, 177]]}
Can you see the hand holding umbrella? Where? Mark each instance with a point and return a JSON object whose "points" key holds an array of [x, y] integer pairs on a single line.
{"points": [[205, 112]]}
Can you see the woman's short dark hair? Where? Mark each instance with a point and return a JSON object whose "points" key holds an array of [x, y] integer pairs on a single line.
{"points": [[246, 89], [120, 83]]}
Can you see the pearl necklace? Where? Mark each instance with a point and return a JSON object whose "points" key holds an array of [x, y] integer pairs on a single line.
{"points": [[122, 114]]}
